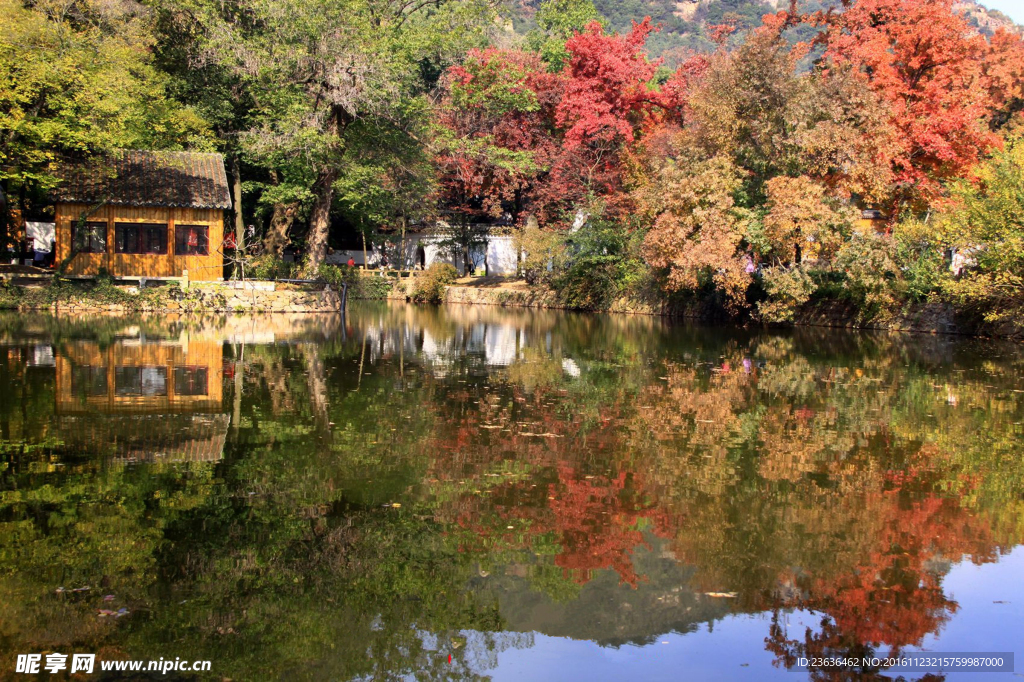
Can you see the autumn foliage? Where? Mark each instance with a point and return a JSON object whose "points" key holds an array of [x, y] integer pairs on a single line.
{"points": [[927, 64], [517, 138], [743, 172]]}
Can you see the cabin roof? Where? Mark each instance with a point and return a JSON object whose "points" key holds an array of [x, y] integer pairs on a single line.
{"points": [[146, 178]]}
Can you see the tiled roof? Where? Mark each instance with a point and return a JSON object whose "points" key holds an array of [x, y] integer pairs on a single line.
{"points": [[142, 178]]}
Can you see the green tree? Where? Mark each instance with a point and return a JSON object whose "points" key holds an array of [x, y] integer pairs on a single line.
{"points": [[315, 69], [78, 77], [559, 20], [987, 232]]}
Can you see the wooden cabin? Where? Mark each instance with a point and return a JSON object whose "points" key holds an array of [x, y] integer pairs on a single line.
{"points": [[872, 221], [142, 214]]}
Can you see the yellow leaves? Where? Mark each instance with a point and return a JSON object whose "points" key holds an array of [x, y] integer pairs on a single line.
{"points": [[801, 214], [697, 234]]}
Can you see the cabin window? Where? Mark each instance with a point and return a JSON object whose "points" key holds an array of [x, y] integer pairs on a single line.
{"points": [[191, 380], [191, 240], [88, 381], [89, 238], [140, 238], [140, 381]]}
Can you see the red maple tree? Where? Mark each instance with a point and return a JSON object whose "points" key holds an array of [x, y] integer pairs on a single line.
{"points": [[927, 64]]}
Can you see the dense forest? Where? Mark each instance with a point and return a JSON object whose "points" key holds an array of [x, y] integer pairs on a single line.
{"points": [[736, 171]]}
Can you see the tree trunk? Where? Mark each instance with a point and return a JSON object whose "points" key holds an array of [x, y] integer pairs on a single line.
{"points": [[316, 383], [279, 232], [320, 222], [401, 249], [236, 188], [366, 262]]}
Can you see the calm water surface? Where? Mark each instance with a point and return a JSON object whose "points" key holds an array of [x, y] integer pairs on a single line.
{"points": [[537, 495]]}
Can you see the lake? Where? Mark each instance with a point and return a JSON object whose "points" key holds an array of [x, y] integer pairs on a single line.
{"points": [[486, 493]]}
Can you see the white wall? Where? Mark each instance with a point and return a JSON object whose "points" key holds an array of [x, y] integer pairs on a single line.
{"points": [[41, 234], [498, 255], [501, 256]]}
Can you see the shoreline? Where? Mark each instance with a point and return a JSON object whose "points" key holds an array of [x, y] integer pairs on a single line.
{"points": [[251, 297], [928, 318]]}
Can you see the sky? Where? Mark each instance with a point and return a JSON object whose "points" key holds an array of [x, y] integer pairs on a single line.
{"points": [[1011, 8]]}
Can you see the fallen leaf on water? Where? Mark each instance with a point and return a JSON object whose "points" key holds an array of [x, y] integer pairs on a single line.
{"points": [[723, 595], [103, 613]]}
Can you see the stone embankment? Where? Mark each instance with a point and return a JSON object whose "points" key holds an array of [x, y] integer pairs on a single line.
{"points": [[926, 318], [535, 297], [276, 297], [257, 296], [227, 297]]}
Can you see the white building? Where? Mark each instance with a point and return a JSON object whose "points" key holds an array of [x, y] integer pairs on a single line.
{"points": [[493, 255]]}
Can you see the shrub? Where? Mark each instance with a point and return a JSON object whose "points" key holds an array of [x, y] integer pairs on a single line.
{"points": [[787, 290], [874, 281], [987, 224], [359, 286], [371, 287], [336, 276], [541, 249], [922, 261], [268, 267], [431, 285], [602, 264]]}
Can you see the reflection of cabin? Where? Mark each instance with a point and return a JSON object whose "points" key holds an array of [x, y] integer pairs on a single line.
{"points": [[140, 377], [142, 401], [146, 437], [144, 214]]}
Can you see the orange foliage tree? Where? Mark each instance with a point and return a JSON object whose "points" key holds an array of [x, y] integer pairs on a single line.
{"points": [[928, 65]]}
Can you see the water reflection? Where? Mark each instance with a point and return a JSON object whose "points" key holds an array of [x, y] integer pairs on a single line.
{"points": [[320, 498]]}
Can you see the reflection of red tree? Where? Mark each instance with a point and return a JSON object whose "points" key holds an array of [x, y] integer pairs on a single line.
{"points": [[856, 522], [596, 521], [894, 596], [599, 523]]}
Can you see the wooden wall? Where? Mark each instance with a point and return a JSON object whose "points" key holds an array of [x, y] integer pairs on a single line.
{"points": [[200, 268]]}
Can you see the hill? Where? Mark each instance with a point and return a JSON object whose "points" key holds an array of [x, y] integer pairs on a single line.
{"points": [[684, 23]]}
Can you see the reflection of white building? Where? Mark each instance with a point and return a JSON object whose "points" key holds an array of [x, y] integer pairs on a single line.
{"points": [[494, 254], [497, 345], [502, 344], [475, 346], [42, 356]]}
